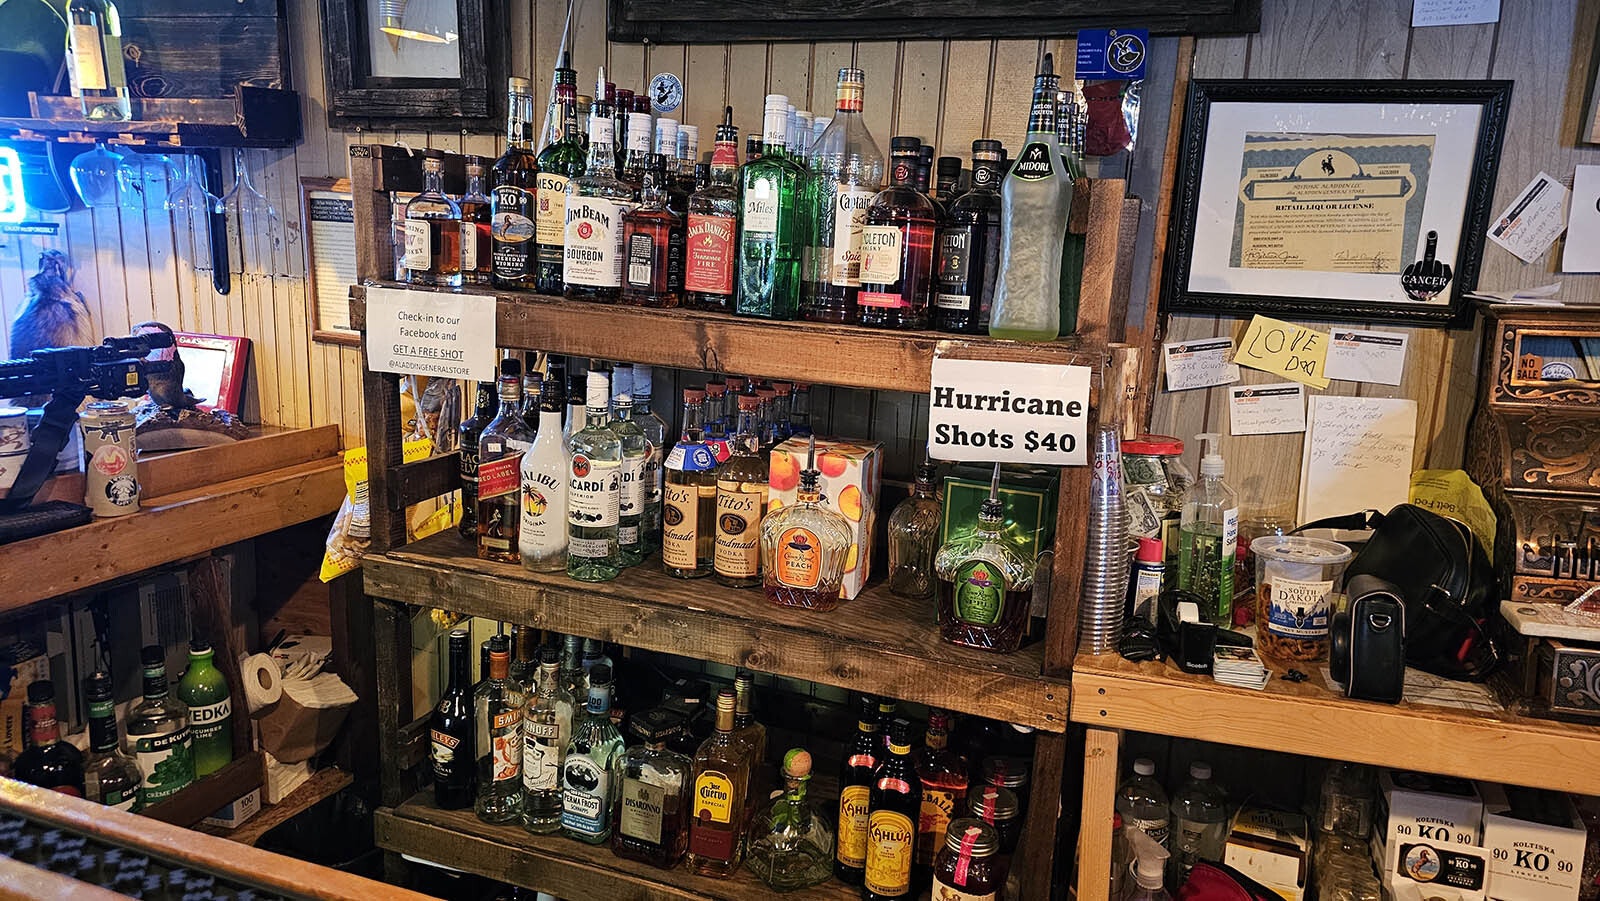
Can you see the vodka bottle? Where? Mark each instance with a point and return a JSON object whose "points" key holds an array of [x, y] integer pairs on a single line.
{"points": [[546, 731]]}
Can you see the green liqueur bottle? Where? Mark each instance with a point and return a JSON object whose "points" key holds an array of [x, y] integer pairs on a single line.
{"points": [[771, 232], [205, 690], [559, 162], [985, 582], [110, 776], [158, 733]]}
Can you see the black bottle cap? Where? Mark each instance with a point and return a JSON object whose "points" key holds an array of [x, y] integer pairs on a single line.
{"points": [[41, 692], [511, 367], [924, 153], [97, 686], [900, 731], [949, 166], [549, 654], [499, 644], [600, 675], [905, 145], [199, 645], [152, 655]]}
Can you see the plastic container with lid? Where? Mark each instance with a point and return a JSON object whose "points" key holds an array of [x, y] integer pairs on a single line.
{"points": [[968, 864], [1155, 478], [1297, 581]]}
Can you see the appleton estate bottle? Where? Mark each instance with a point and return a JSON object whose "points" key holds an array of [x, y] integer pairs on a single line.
{"points": [[969, 249], [513, 180], [451, 733], [897, 247]]}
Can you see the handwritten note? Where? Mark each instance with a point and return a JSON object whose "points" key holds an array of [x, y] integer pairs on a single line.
{"points": [[1361, 356], [1285, 349], [1266, 409], [1454, 12], [1534, 220], [1357, 455], [1199, 364]]}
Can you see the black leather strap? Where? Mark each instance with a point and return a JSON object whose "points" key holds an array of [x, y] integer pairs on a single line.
{"points": [[49, 437], [1366, 519]]}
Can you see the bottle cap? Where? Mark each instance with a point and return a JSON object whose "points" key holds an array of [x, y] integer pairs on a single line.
{"points": [[797, 763], [1154, 445], [688, 142], [41, 692], [511, 368], [1211, 463], [749, 403], [1199, 770], [726, 130], [993, 804], [938, 720], [97, 686], [432, 164], [549, 655], [152, 655], [725, 700], [694, 395], [518, 85], [924, 153], [198, 646], [1005, 772], [499, 644], [639, 131], [987, 149], [599, 674], [949, 167], [972, 837], [1151, 551], [667, 138], [900, 734], [1144, 766], [783, 389], [656, 725], [905, 146]]}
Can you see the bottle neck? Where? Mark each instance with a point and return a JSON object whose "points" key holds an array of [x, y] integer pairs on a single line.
{"points": [[499, 666], [102, 725], [43, 730], [432, 181], [848, 99], [599, 700], [773, 133], [602, 158], [519, 112], [550, 423], [903, 171], [459, 677], [484, 404], [155, 684], [691, 421], [1042, 114], [549, 678], [746, 426]]}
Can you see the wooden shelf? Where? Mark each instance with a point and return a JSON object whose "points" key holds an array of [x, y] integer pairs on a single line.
{"points": [[561, 866], [876, 643], [1315, 719], [323, 784], [253, 117], [808, 352]]}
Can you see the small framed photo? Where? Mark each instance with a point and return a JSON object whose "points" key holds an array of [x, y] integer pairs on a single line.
{"points": [[213, 369], [1343, 200]]}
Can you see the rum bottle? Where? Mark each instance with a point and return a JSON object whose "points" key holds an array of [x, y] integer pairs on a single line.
{"points": [[500, 450], [591, 775], [546, 731], [1036, 200], [432, 232], [803, 547], [48, 761], [476, 227], [894, 809], [452, 733], [708, 277], [655, 445], [471, 430], [943, 774], [770, 237], [741, 502], [110, 776], [514, 180], [791, 843], [897, 247], [689, 500], [635, 454], [969, 249], [594, 494], [846, 172], [861, 758], [721, 774], [985, 582], [653, 818], [559, 162], [913, 532], [596, 201], [542, 536], [158, 734], [652, 238], [499, 730]]}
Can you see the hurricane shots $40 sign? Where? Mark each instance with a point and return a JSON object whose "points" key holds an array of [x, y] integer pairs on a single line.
{"points": [[991, 412]]}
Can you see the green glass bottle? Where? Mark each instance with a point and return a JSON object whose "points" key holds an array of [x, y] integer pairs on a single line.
{"points": [[560, 161], [204, 690], [771, 230]]}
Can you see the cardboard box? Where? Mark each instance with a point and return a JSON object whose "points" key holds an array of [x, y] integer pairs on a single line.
{"points": [[1437, 871], [1534, 841], [1029, 493], [21, 665], [233, 815], [852, 474], [1441, 811], [1273, 847]]}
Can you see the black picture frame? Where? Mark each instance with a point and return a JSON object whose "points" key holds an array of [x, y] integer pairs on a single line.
{"points": [[1195, 186], [473, 103]]}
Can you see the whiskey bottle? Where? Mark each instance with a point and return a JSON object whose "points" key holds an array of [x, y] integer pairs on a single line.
{"points": [[451, 733], [943, 774], [110, 776], [514, 200], [846, 172], [524, 670], [204, 691], [750, 735], [637, 154], [861, 758], [158, 734], [500, 450], [689, 509], [913, 533], [542, 536], [630, 521], [985, 582], [894, 809], [499, 730], [947, 174], [1036, 200], [655, 438], [721, 773], [653, 817], [432, 232], [48, 761], [969, 249], [652, 238], [471, 430], [476, 227], [741, 502], [546, 732], [532, 382], [897, 247], [791, 842], [688, 158], [803, 546], [99, 78], [591, 775], [677, 199], [596, 201], [560, 161], [770, 237], [594, 493]]}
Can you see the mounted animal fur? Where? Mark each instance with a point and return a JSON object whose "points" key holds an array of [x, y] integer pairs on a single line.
{"points": [[55, 315]]}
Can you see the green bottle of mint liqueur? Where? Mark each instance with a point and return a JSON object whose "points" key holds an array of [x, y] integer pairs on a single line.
{"points": [[771, 227], [204, 690]]}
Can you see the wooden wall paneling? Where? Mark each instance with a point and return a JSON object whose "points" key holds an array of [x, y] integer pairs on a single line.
{"points": [[826, 60], [880, 62], [588, 44], [625, 66], [139, 296], [919, 83], [1011, 91], [1154, 166], [745, 86], [1459, 51], [1312, 39], [705, 91], [354, 426], [965, 94], [289, 296], [106, 249], [789, 72], [1221, 57], [522, 20]]}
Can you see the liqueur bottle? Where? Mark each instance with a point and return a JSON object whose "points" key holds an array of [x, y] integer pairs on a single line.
{"points": [[913, 532], [204, 690], [432, 232], [689, 508], [596, 201], [471, 430], [542, 536], [894, 809], [99, 77], [948, 174], [532, 384], [524, 670], [741, 501], [708, 277], [861, 757], [591, 775], [750, 735], [791, 843], [653, 818], [594, 493], [559, 162], [803, 546], [721, 773], [499, 728], [655, 445], [677, 200], [546, 731], [48, 761], [770, 236], [500, 450], [985, 582], [652, 238], [452, 733], [158, 734], [969, 249], [897, 247], [1036, 199], [476, 227], [110, 776], [943, 774], [846, 172], [635, 454], [513, 194]]}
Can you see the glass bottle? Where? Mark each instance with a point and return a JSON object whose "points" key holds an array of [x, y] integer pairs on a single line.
{"points": [[1199, 823], [714, 421], [770, 236], [655, 445], [913, 532], [560, 161], [894, 808], [542, 535], [846, 172], [948, 174], [721, 774], [800, 411], [594, 494], [432, 232], [861, 757], [689, 507], [48, 762], [803, 546], [638, 157], [499, 717], [476, 227], [791, 842], [969, 249], [688, 158], [532, 384], [591, 774], [1208, 536], [741, 501], [452, 733], [781, 428], [652, 823], [514, 197], [524, 657], [897, 247], [750, 735], [965, 866], [110, 776], [652, 238], [573, 677], [630, 521], [158, 734], [985, 582], [204, 690], [594, 654], [500, 448], [1036, 198], [576, 391], [483, 411], [546, 731], [944, 792], [708, 277], [94, 60], [596, 201]]}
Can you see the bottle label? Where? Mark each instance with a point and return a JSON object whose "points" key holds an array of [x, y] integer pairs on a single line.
{"points": [[952, 301], [1035, 163], [849, 217], [1156, 829], [550, 213], [890, 839], [593, 239], [710, 251], [88, 64], [933, 819], [945, 892], [167, 762], [798, 559], [594, 494], [443, 753], [631, 497], [642, 250], [955, 249], [680, 527], [505, 740], [654, 476], [116, 75], [713, 797], [119, 800], [544, 512], [511, 230], [209, 720], [418, 254], [980, 593], [761, 207], [738, 547], [881, 247], [1298, 609], [642, 807], [853, 804], [469, 246], [586, 786], [541, 756], [501, 477]]}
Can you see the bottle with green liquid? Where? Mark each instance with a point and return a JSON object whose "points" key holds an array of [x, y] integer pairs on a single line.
{"points": [[1208, 536], [204, 690]]}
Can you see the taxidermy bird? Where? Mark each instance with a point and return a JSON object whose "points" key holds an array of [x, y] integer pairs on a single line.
{"points": [[166, 388], [55, 314]]}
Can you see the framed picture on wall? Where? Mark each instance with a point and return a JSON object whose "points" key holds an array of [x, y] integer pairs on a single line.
{"points": [[329, 214], [1345, 200]]}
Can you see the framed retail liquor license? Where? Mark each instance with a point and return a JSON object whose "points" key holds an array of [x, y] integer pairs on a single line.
{"points": [[1350, 200]]}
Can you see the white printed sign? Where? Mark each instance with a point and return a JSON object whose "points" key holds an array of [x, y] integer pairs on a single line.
{"points": [[431, 333], [991, 412]]}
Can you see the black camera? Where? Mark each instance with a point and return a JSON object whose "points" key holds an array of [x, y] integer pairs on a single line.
{"points": [[1368, 655]]}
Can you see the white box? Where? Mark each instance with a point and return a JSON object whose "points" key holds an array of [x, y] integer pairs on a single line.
{"points": [[233, 815], [1534, 840], [1437, 872], [1273, 847], [1419, 808]]}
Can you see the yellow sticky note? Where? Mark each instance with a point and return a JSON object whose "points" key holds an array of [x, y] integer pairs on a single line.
{"points": [[1285, 349]]}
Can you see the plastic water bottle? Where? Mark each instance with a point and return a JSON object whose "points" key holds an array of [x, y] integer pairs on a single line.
{"points": [[1199, 822], [1143, 802]]}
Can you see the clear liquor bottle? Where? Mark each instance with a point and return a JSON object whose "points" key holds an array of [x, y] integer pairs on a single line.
{"points": [[771, 224], [803, 546], [746, 731], [635, 454], [542, 536], [560, 161], [713, 224], [653, 817], [846, 172], [110, 776], [500, 448], [781, 427], [576, 391], [591, 775], [791, 841], [655, 443], [985, 582], [513, 179], [913, 533], [897, 247], [721, 775], [477, 244], [594, 493], [499, 717], [637, 157], [524, 657], [596, 201], [99, 78], [573, 676], [432, 232], [714, 421], [1037, 198], [969, 249], [741, 503], [546, 732], [689, 510], [158, 734], [483, 411]]}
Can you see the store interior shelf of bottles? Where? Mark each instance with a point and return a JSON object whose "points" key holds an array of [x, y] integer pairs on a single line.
{"points": [[1315, 719], [876, 643]]}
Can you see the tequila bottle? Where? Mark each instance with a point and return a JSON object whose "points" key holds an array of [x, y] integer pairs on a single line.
{"points": [[1036, 200], [689, 511], [432, 232], [985, 582], [514, 194], [791, 842], [653, 818], [204, 690], [655, 445], [110, 776], [635, 454], [969, 249], [803, 546], [748, 733], [559, 162], [846, 172], [741, 502], [158, 734], [596, 201], [770, 227], [452, 738], [591, 775], [499, 717], [542, 536], [913, 533], [721, 775], [594, 493], [897, 247], [476, 227], [713, 223], [471, 430], [500, 449], [546, 732]]}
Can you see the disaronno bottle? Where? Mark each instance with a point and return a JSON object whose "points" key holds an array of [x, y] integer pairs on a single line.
{"points": [[158, 734], [688, 517], [741, 501]]}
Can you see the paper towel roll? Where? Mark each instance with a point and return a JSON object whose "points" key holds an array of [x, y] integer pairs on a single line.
{"points": [[263, 682]]}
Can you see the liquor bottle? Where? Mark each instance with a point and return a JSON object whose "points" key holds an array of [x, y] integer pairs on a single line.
{"points": [[94, 60], [985, 582], [635, 454], [500, 448], [591, 775], [158, 734], [653, 819], [652, 238], [596, 201], [741, 502], [48, 762], [801, 137], [1036, 199], [477, 242], [688, 159], [432, 232], [969, 249], [110, 776], [532, 384], [713, 419], [594, 654], [721, 774], [546, 732], [861, 758], [737, 386], [573, 677], [452, 734], [594, 493], [913, 534], [471, 430], [781, 428], [750, 735], [560, 161], [803, 546], [499, 731], [791, 842], [800, 411], [947, 174], [542, 536], [655, 445], [514, 194], [524, 672], [576, 392], [897, 247], [204, 690], [770, 225], [621, 100], [752, 148], [637, 153], [846, 172], [689, 509], [894, 810], [943, 774]]}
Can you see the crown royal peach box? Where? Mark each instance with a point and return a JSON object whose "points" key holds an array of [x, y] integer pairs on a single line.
{"points": [[852, 473]]}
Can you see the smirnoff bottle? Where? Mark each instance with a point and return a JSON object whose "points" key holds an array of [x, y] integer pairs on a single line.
{"points": [[595, 490], [596, 201], [770, 237], [513, 201], [846, 171], [713, 222], [1036, 197]]}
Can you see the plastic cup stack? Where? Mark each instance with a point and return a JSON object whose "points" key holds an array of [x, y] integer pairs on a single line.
{"points": [[1105, 571]]}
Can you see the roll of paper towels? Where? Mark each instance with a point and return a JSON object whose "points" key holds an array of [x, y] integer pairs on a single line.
{"points": [[263, 682]]}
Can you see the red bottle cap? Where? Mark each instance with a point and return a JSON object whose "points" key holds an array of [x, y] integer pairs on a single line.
{"points": [[1164, 445], [1150, 550]]}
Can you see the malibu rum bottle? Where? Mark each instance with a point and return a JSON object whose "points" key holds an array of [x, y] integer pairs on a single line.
{"points": [[559, 162], [741, 502], [1036, 200], [513, 177], [689, 500], [713, 222], [594, 494], [542, 536], [846, 172], [897, 247], [596, 200], [770, 235], [721, 775], [803, 547], [861, 758], [892, 821]]}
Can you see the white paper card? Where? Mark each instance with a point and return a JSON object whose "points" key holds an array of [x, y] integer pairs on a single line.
{"points": [[1534, 220], [1454, 12], [1357, 455], [990, 412], [1582, 252], [1199, 364], [1267, 409], [1361, 356], [431, 333]]}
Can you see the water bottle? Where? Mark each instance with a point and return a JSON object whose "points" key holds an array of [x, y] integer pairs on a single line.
{"points": [[1199, 823], [1143, 802]]}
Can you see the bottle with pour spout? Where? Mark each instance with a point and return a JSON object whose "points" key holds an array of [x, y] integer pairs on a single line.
{"points": [[1208, 536], [1149, 863]]}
